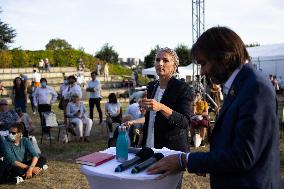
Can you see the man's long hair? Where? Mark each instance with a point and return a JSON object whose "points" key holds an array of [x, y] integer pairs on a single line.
{"points": [[221, 45]]}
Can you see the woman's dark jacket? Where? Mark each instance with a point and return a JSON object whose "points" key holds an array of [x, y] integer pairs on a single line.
{"points": [[172, 132]]}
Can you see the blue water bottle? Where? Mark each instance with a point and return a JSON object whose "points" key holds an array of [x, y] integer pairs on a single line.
{"points": [[122, 145]]}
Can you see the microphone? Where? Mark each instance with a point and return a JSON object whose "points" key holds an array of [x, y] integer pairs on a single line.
{"points": [[141, 156], [140, 167], [133, 150]]}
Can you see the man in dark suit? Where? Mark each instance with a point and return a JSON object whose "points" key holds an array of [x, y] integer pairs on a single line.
{"points": [[244, 146]]}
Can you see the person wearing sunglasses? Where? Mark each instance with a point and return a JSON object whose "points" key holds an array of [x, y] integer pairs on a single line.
{"points": [[15, 150], [7, 116]]}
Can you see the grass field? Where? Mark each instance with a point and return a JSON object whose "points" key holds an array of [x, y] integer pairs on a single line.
{"points": [[63, 173]]}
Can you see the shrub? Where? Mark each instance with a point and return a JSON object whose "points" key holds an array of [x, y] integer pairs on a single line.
{"points": [[17, 58]]}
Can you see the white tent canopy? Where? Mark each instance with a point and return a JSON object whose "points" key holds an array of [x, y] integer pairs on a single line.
{"points": [[268, 58]]}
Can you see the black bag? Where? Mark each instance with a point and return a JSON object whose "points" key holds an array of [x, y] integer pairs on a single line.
{"points": [[60, 105]]}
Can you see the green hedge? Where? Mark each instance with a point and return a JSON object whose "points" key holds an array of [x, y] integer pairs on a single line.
{"points": [[59, 58]]}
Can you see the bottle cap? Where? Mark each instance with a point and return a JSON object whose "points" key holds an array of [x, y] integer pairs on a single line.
{"points": [[121, 128]]}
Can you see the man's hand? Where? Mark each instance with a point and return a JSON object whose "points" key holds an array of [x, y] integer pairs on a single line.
{"points": [[29, 173], [166, 166], [129, 123]]}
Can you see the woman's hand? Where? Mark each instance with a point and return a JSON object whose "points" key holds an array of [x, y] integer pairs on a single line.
{"points": [[151, 105]]}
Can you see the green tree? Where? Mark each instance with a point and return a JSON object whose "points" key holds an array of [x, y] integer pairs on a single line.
{"points": [[183, 53], [108, 54], [149, 59], [58, 44], [7, 34]]}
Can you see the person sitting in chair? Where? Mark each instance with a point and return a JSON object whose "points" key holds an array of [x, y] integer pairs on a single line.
{"points": [[77, 114], [113, 114], [26, 119], [15, 149], [200, 119]]}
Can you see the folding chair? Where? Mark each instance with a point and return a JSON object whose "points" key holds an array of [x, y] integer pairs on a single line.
{"points": [[50, 122]]}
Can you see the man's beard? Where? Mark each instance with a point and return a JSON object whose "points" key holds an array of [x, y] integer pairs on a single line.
{"points": [[219, 75]]}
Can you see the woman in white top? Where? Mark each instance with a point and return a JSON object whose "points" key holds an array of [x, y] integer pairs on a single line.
{"points": [[113, 112], [77, 113], [72, 88]]}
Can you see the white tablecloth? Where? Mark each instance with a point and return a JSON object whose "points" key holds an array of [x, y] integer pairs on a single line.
{"points": [[104, 177]]}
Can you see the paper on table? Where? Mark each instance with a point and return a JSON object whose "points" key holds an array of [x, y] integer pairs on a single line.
{"points": [[107, 169]]}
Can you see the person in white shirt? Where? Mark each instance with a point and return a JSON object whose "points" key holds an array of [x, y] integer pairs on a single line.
{"points": [[132, 112], [63, 87], [72, 88], [40, 65], [36, 78], [44, 97], [77, 113], [94, 87], [106, 72], [81, 77], [113, 114], [26, 119]]}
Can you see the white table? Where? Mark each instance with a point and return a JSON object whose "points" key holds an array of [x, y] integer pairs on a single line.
{"points": [[104, 177]]}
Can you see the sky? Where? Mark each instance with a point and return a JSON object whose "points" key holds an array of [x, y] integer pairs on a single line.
{"points": [[134, 27]]}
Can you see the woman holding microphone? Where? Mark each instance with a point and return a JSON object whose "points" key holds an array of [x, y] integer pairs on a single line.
{"points": [[168, 104]]}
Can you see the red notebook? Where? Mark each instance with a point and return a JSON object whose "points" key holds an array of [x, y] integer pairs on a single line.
{"points": [[95, 159]]}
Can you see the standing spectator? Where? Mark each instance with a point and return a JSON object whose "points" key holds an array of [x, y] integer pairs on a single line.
{"points": [[36, 78], [94, 87], [46, 65], [41, 65], [26, 119], [81, 65], [44, 97], [25, 79], [7, 117], [216, 93], [281, 84], [19, 94], [31, 91], [98, 69], [63, 87], [16, 151], [106, 72], [77, 113], [2, 88], [275, 84], [135, 78], [72, 88], [81, 77]]}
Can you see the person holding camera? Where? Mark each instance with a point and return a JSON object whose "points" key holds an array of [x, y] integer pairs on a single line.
{"points": [[77, 114]]}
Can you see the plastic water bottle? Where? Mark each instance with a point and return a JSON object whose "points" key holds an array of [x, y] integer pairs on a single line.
{"points": [[122, 144]]}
